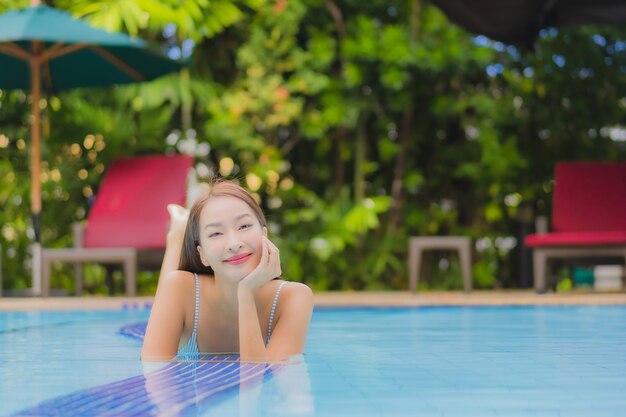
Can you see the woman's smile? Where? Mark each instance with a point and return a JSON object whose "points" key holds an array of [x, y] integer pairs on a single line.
{"points": [[238, 259]]}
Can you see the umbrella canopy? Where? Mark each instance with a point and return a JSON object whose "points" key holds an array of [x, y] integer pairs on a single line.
{"points": [[71, 53], [45, 48], [518, 22]]}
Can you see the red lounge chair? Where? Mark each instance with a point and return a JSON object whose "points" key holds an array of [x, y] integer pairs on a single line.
{"points": [[128, 221], [588, 216]]}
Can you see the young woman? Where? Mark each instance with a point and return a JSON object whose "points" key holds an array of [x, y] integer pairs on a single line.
{"points": [[226, 294]]}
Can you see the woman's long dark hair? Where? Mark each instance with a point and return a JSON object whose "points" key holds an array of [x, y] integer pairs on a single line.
{"points": [[189, 256]]}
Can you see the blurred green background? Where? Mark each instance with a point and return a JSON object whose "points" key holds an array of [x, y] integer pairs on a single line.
{"points": [[356, 129]]}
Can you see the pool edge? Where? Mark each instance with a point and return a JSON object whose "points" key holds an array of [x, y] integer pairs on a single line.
{"points": [[336, 299]]}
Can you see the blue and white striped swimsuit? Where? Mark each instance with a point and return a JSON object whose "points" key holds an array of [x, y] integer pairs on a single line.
{"points": [[191, 347]]}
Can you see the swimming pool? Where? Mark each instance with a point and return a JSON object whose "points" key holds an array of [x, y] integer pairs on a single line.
{"points": [[441, 361]]}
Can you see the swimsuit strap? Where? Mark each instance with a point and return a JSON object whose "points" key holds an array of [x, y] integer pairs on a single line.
{"points": [[191, 347], [196, 312], [272, 312]]}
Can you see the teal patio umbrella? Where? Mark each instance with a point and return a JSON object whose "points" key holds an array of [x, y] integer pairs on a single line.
{"points": [[45, 48]]}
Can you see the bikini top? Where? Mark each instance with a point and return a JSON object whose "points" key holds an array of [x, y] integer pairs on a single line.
{"points": [[191, 347]]}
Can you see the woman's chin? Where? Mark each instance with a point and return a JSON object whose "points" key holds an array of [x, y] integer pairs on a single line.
{"points": [[236, 277]]}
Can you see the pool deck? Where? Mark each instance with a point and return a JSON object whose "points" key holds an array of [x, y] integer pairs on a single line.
{"points": [[339, 299]]}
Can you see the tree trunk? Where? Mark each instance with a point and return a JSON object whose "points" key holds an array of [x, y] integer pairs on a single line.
{"points": [[360, 157], [339, 168], [186, 99], [406, 129], [337, 16]]}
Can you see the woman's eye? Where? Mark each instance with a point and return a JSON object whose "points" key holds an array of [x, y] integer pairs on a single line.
{"points": [[245, 226], [214, 234]]}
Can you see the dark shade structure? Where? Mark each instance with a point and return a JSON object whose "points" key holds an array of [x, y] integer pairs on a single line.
{"points": [[518, 22]]}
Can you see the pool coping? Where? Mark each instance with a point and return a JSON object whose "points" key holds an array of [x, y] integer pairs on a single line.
{"points": [[340, 299]]}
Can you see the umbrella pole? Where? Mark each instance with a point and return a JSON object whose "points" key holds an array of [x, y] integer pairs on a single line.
{"points": [[35, 196]]}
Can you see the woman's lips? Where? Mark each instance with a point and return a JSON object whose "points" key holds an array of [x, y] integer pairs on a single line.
{"points": [[238, 260]]}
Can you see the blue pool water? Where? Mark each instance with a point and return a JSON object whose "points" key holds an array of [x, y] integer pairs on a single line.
{"points": [[445, 361]]}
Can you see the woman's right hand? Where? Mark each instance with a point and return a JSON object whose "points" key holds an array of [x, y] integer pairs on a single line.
{"points": [[267, 269]]}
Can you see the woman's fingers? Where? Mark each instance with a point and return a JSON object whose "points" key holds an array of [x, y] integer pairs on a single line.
{"points": [[264, 253], [268, 267], [274, 262]]}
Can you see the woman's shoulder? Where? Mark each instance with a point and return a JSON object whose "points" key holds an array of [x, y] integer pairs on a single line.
{"points": [[178, 277], [295, 303], [178, 280], [296, 287], [297, 292]]}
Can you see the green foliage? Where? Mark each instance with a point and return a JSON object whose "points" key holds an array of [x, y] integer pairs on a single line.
{"points": [[194, 19], [313, 105]]}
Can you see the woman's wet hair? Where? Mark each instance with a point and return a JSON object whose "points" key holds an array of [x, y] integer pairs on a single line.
{"points": [[189, 256]]}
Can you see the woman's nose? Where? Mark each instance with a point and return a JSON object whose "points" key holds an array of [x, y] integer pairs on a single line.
{"points": [[233, 243]]}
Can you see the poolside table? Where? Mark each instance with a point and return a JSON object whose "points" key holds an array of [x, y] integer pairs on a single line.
{"points": [[417, 245]]}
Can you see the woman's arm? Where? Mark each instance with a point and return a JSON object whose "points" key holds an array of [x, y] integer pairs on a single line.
{"points": [[167, 318], [290, 326], [251, 345], [293, 312]]}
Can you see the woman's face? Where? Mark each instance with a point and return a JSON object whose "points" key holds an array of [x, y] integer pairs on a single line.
{"points": [[231, 237]]}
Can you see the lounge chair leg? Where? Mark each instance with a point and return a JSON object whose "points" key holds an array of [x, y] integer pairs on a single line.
{"points": [[45, 276], [130, 276], [539, 270], [415, 260], [78, 279], [466, 267]]}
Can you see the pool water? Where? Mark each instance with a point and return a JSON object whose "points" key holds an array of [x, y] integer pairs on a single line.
{"points": [[441, 361]]}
